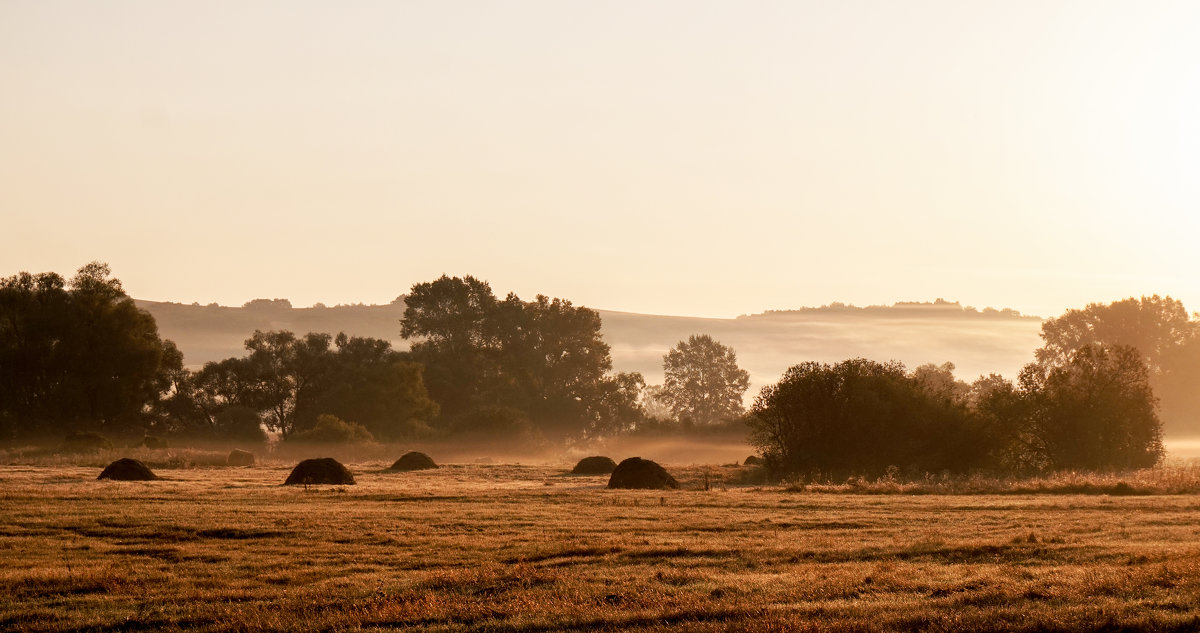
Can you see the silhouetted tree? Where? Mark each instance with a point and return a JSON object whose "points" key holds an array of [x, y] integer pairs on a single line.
{"points": [[1152, 325], [291, 381], [702, 381], [544, 358], [1096, 411], [860, 417], [1159, 328], [453, 323], [372, 384], [78, 355]]}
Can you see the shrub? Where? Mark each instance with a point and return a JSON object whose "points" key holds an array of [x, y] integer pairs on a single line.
{"points": [[333, 430]]}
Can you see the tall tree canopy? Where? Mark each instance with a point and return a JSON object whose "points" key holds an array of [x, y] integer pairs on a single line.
{"points": [[860, 417], [1154, 325], [291, 381], [78, 355], [1094, 412], [544, 358], [702, 381], [1159, 328]]}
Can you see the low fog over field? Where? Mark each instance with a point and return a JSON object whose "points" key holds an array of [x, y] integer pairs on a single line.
{"points": [[976, 341]]}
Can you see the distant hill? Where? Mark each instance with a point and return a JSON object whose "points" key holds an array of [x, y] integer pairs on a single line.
{"points": [[976, 341]]}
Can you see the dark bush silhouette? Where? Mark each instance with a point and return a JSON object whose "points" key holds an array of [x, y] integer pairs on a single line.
{"points": [[333, 430], [638, 473], [151, 441], [413, 461], [320, 471], [860, 417], [754, 460], [126, 469], [83, 442], [238, 457], [597, 465]]}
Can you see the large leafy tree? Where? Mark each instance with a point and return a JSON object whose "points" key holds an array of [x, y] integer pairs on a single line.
{"points": [[1159, 328], [544, 358], [860, 416], [1094, 412], [1154, 325], [702, 381], [292, 381], [453, 323], [78, 354], [372, 384]]}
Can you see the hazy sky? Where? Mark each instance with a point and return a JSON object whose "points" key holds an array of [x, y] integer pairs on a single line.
{"points": [[671, 157]]}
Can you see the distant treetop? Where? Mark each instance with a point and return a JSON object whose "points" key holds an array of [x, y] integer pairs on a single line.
{"points": [[270, 304], [938, 308]]}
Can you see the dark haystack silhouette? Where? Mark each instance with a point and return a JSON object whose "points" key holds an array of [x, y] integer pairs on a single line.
{"points": [[754, 460], [597, 465], [151, 441], [639, 473], [413, 461], [83, 442], [238, 457], [326, 470], [126, 469]]}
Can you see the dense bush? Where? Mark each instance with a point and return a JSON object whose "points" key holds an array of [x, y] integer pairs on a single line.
{"points": [[858, 417], [330, 429]]}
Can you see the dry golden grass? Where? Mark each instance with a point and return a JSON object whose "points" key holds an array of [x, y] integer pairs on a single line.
{"points": [[527, 548]]}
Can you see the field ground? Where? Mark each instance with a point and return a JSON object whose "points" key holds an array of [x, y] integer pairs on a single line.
{"points": [[526, 548]]}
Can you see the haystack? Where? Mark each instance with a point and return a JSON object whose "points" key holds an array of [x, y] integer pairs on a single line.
{"points": [[238, 457], [413, 461], [754, 460], [126, 469], [326, 470], [639, 473], [597, 465]]}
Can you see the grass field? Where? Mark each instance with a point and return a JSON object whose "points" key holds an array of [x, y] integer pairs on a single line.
{"points": [[527, 548]]}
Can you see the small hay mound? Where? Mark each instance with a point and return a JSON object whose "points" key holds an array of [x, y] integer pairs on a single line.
{"points": [[126, 469], [754, 460], [151, 441], [238, 457], [326, 470], [413, 461], [643, 474], [598, 465]]}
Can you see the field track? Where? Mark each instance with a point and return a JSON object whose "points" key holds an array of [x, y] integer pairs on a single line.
{"points": [[526, 548]]}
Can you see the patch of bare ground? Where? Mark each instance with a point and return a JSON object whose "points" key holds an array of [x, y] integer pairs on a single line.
{"points": [[520, 548]]}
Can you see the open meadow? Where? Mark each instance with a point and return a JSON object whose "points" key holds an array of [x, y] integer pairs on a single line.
{"points": [[502, 547]]}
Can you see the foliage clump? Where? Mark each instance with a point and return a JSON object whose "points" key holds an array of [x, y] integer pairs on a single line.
{"points": [[702, 382], [1096, 411], [78, 355], [543, 358], [331, 429]]}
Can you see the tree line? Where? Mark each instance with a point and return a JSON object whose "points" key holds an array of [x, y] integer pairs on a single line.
{"points": [[77, 355], [1095, 398]]}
